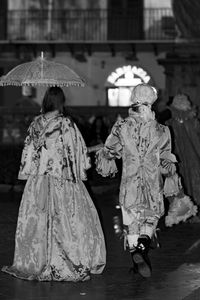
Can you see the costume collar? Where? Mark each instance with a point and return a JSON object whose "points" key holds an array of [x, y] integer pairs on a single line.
{"points": [[138, 118]]}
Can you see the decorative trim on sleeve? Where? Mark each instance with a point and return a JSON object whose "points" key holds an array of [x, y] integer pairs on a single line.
{"points": [[104, 166], [172, 185]]}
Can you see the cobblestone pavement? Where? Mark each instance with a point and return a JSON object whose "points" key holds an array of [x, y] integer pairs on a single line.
{"points": [[176, 265]]}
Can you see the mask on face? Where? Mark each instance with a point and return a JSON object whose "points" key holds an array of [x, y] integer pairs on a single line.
{"points": [[144, 111]]}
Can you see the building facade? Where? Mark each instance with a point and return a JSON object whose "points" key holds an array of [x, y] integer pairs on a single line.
{"points": [[96, 40], [112, 44]]}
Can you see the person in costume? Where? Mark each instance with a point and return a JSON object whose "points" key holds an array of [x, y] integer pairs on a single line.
{"points": [[58, 235], [185, 127], [145, 148]]}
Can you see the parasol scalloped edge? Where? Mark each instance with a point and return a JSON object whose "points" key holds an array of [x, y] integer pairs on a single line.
{"points": [[42, 72], [42, 84]]}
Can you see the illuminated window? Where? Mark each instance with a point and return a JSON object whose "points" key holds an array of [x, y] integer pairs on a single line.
{"points": [[121, 82]]}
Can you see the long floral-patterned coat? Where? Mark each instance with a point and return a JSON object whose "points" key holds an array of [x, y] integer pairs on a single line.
{"points": [[145, 149], [58, 236]]}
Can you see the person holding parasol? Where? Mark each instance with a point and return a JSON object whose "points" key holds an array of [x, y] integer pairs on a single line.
{"points": [[59, 235]]}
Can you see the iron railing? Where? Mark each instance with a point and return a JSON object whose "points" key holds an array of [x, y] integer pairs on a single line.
{"points": [[92, 25]]}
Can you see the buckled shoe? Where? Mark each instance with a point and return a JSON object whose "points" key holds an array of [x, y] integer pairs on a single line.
{"points": [[140, 256]]}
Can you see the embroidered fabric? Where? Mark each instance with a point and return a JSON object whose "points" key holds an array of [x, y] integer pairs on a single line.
{"points": [[59, 235], [104, 166]]}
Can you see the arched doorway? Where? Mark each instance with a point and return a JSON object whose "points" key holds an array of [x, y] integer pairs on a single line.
{"points": [[120, 83]]}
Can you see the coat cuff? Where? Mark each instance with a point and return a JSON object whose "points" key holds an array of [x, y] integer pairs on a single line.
{"points": [[104, 166], [22, 176], [172, 185]]}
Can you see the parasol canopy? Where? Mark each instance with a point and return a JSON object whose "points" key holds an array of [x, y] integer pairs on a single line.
{"points": [[42, 72]]}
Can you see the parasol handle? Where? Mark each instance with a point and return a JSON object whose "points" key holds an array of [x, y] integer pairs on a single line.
{"points": [[42, 58]]}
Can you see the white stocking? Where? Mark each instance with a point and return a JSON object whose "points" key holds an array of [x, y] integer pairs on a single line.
{"points": [[132, 240]]}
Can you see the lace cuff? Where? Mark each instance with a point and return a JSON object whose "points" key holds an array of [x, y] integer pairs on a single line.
{"points": [[172, 185], [104, 166]]}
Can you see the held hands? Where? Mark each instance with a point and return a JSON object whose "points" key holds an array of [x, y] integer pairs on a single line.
{"points": [[95, 148]]}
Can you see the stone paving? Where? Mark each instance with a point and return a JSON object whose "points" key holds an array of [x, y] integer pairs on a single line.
{"points": [[176, 265]]}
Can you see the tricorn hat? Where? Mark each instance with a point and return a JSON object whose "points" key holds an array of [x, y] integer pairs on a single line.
{"points": [[181, 102]]}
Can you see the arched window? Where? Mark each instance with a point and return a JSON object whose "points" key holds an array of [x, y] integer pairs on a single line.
{"points": [[121, 82]]}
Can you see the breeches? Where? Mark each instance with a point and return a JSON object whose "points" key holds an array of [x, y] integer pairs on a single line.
{"points": [[140, 221]]}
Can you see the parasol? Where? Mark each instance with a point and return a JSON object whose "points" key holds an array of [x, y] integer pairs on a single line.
{"points": [[42, 72]]}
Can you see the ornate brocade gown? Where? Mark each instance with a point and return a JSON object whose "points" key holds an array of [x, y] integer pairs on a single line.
{"points": [[58, 235]]}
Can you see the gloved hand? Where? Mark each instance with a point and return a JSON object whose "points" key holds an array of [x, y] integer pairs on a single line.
{"points": [[168, 168]]}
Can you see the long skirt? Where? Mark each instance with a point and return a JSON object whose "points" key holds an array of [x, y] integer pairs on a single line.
{"points": [[59, 235]]}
